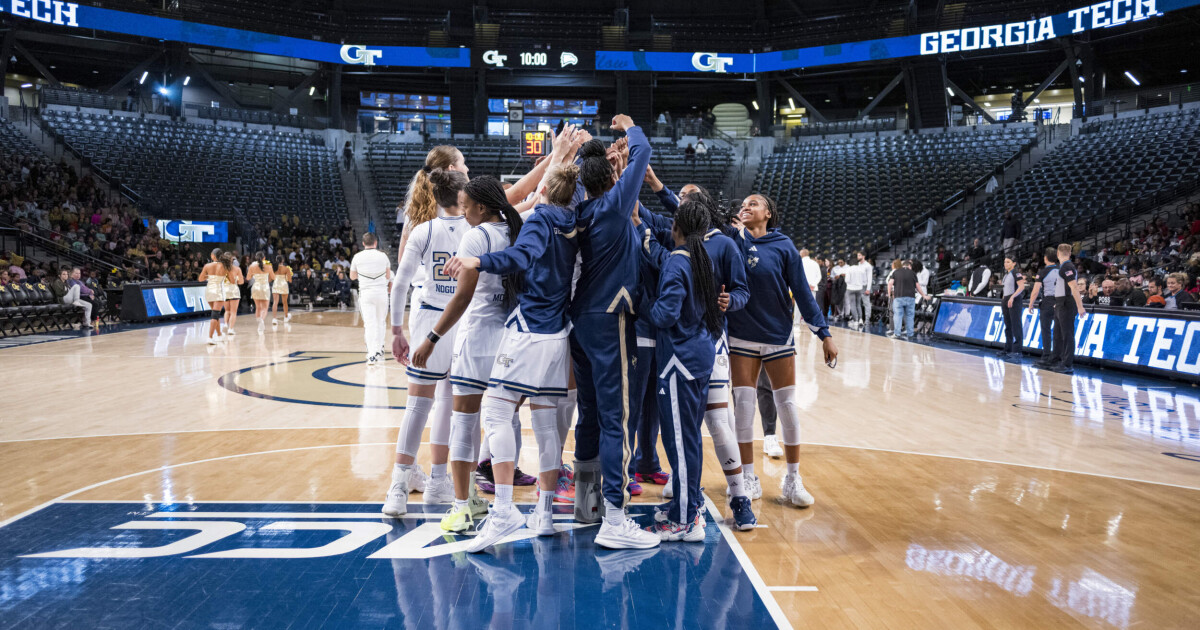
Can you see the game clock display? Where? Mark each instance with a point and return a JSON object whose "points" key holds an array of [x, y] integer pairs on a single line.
{"points": [[534, 143]]}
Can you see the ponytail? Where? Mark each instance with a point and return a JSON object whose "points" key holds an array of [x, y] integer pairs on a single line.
{"points": [[692, 221], [420, 205], [489, 193]]}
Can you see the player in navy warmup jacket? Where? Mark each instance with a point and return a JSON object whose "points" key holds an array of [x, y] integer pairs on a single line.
{"points": [[762, 333], [603, 342]]}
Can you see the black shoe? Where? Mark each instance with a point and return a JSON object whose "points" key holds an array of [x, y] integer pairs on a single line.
{"points": [[1061, 369]]}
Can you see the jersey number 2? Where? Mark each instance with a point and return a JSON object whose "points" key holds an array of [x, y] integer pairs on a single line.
{"points": [[439, 266]]}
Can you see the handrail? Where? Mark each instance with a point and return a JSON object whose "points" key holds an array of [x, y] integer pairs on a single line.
{"points": [[58, 249]]}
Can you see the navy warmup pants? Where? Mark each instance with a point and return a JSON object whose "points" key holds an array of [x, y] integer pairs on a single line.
{"points": [[681, 406], [643, 420], [603, 346]]}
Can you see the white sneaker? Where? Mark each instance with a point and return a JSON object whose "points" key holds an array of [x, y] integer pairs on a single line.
{"points": [[794, 491], [371, 361], [212, 341], [231, 332], [262, 326], [496, 526], [668, 490], [287, 318], [771, 447], [541, 522], [625, 535], [439, 490], [274, 321], [419, 480], [396, 503], [753, 487]]}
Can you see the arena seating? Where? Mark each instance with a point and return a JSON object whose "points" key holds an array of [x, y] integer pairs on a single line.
{"points": [[392, 165], [13, 142], [29, 307], [1111, 163], [78, 97], [837, 196], [196, 171]]}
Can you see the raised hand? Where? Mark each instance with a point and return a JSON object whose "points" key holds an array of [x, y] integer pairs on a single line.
{"points": [[621, 122]]}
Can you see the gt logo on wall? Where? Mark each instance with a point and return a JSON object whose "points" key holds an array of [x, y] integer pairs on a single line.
{"points": [[360, 55], [247, 565], [710, 62]]}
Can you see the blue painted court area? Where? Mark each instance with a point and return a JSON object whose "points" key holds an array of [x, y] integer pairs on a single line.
{"points": [[343, 565]]}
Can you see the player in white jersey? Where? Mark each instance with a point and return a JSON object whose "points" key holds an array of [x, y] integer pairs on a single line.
{"points": [[479, 308], [373, 271], [432, 243]]}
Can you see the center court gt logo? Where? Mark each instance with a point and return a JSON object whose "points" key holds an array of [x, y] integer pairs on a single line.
{"points": [[360, 55], [494, 58], [710, 62], [567, 59]]}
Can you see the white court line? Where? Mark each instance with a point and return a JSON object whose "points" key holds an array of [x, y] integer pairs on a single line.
{"points": [[756, 580], [792, 589], [333, 516]]}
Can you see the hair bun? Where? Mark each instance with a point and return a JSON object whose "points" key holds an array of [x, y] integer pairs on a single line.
{"points": [[592, 148]]}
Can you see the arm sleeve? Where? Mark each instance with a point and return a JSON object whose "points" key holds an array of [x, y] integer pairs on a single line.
{"points": [[409, 261], [669, 200], [629, 185], [672, 289], [735, 272], [794, 275], [530, 245]]}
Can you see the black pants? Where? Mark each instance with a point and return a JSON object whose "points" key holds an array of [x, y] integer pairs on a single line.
{"points": [[1064, 319], [766, 403], [1014, 334], [1049, 339]]}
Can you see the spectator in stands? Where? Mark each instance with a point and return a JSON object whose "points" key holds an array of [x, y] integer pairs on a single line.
{"points": [[15, 270], [341, 287], [5, 277], [812, 271], [1128, 294], [70, 295], [837, 297], [85, 293], [701, 150], [1176, 297], [347, 155], [977, 252], [922, 275], [943, 258], [689, 154], [1010, 232], [979, 284]]}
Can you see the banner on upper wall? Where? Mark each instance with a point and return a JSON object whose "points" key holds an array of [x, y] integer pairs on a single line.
{"points": [[1165, 342], [193, 231]]}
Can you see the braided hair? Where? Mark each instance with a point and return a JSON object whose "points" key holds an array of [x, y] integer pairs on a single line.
{"points": [[487, 191], [595, 171], [692, 222]]}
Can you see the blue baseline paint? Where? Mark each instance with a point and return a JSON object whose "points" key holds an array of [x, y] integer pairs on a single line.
{"points": [[563, 581]]}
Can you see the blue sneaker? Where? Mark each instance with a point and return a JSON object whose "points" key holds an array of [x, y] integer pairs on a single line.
{"points": [[743, 515]]}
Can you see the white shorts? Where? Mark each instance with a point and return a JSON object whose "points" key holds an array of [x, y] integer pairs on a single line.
{"points": [[420, 324], [531, 364], [764, 351], [475, 350], [720, 372]]}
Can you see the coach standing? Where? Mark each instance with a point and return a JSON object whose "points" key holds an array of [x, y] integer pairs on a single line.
{"points": [[373, 272], [903, 289], [1067, 303]]}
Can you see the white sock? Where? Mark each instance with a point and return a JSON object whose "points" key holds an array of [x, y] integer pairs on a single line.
{"points": [[737, 484], [748, 469], [613, 515], [439, 471], [504, 496], [793, 469], [400, 468], [460, 503], [546, 501]]}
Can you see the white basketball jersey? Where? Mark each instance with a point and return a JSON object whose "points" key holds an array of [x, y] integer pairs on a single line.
{"points": [[437, 242], [488, 301]]}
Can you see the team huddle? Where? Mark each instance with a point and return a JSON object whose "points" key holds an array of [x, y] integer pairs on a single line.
{"points": [[564, 291]]}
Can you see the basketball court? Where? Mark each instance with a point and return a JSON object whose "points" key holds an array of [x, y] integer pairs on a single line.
{"points": [[151, 480]]}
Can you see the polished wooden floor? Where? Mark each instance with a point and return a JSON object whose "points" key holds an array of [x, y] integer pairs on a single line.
{"points": [[953, 490]]}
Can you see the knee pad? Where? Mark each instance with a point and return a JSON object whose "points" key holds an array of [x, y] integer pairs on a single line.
{"points": [[516, 427], [743, 413], [496, 415], [217, 315], [725, 446], [416, 412], [443, 406], [545, 430], [789, 414], [464, 436], [718, 395]]}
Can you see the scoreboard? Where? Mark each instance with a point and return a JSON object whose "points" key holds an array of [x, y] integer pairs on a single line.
{"points": [[533, 143], [533, 59]]}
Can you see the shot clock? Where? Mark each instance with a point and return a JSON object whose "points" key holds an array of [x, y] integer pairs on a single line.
{"points": [[534, 144]]}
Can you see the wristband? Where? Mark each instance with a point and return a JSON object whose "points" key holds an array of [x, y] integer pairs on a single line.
{"points": [[433, 337]]}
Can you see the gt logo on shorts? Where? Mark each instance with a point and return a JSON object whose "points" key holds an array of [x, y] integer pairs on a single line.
{"points": [[504, 360]]}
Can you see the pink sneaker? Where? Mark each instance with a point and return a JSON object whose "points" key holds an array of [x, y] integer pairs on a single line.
{"points": [[658, 478]]}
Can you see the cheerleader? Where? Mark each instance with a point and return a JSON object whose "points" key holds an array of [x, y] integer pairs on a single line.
{"points": [[762, 335], [233, 295], [280, 289], [215, 274], [687, 317], [531, 360], [481, 302], [433, 244], [262, 274]]}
